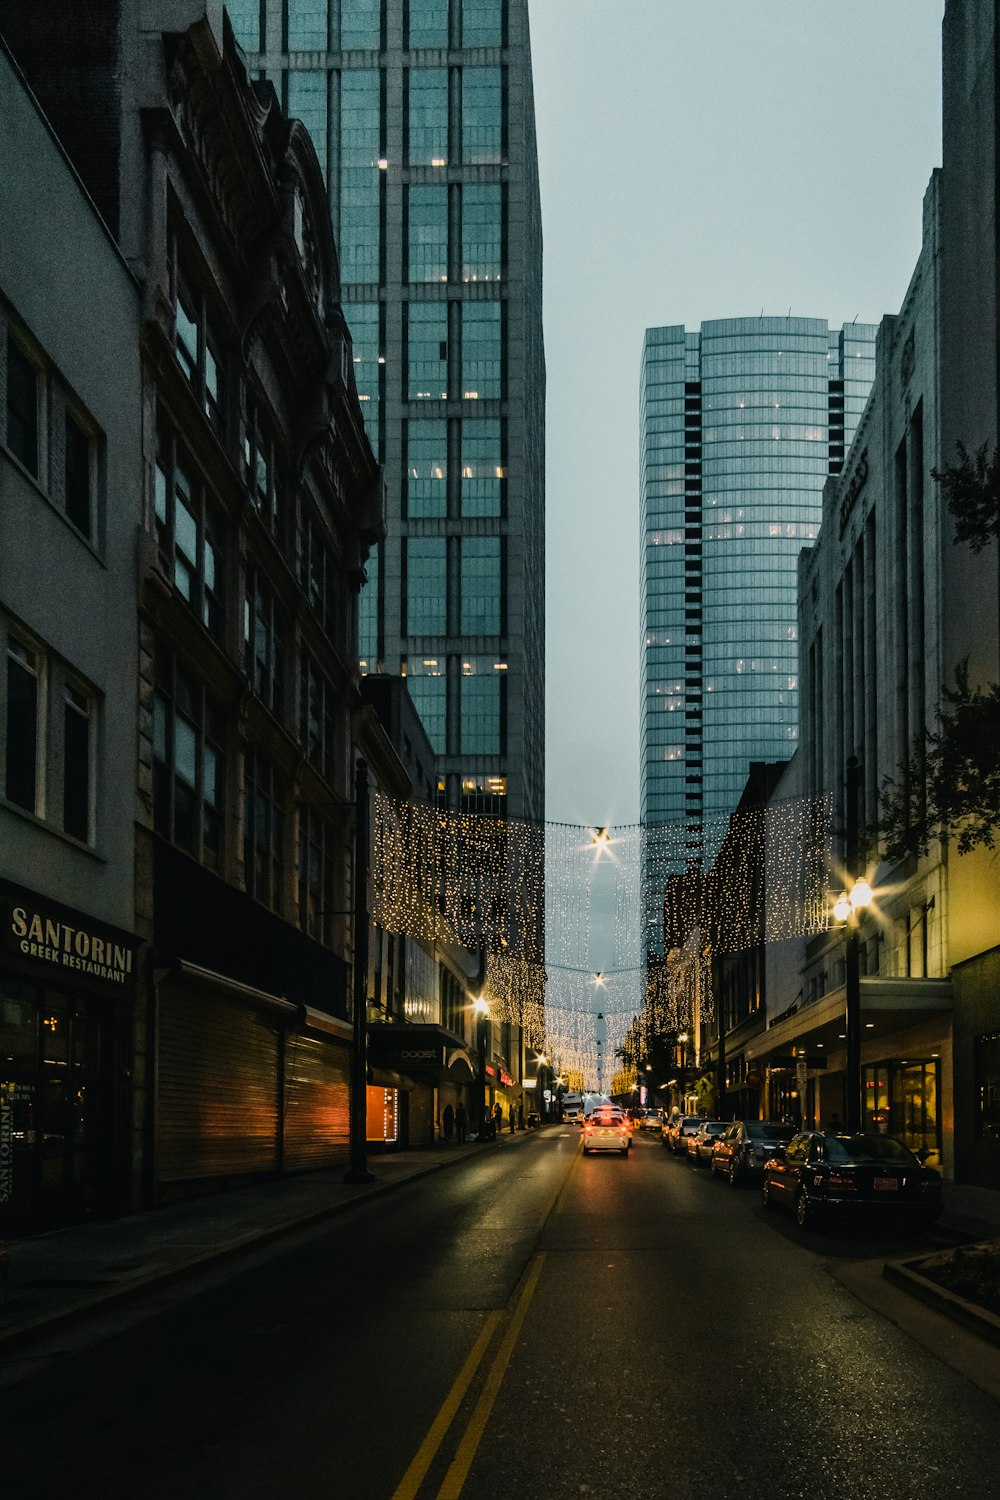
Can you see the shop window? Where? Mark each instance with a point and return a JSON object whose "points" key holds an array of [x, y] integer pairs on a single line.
{"points": [[188, 531], [987, 1086], [188, 763]]}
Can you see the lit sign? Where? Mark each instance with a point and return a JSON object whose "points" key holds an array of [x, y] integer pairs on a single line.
{"points": [[489, 1069], [505, 1079], [52, 941], [6, 1150]]}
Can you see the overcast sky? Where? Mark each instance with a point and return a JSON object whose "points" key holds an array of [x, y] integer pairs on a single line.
{"points": [[699, 159]]}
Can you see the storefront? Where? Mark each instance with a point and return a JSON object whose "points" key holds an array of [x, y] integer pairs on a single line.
{"points": [[67, 987], [431, 1069]]}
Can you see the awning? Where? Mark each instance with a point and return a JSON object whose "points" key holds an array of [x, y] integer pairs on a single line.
{"points": [[319, 1020], [425, 1053], [231, 987], [890, 1004]]}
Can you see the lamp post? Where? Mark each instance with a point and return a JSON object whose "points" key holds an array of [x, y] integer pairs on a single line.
{"points": [[358, 1168], [482, 1009]]}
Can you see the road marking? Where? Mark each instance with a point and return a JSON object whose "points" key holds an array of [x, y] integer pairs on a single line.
{"points": [[457, 1474], [425, 1455]]}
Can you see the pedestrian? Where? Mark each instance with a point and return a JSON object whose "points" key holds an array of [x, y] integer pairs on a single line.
{"points": [[448, 1122], [461, 1123], [497, 1118], [510, 1117]]}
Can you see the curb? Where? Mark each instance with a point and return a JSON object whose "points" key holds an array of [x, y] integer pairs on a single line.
{"points": [[129, 1290], [977, 1319]]}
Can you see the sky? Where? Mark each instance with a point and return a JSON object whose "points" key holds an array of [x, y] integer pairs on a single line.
{"points": [[698, 159]]}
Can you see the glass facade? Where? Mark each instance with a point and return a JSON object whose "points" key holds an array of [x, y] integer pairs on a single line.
{"points": [[422, 114], [742, 423]]}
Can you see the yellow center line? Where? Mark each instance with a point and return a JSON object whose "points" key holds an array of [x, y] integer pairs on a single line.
{"points": [[424, 1457], [457, 1474]]}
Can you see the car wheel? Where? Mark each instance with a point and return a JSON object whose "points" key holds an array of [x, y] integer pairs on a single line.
{"points": [[624, 1151], [734, 1172], [803, 1211], [586, 1150], [765, 1194]]}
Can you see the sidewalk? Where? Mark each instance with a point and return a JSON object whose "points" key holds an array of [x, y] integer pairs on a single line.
{"points": [[54, 1278]]}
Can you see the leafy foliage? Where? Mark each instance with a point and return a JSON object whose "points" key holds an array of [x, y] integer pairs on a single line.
{"points": [[971, 490], [950, 785]]}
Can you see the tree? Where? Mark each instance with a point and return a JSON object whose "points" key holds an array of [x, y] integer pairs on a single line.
{"points": [[950, 784], [971, 490]]}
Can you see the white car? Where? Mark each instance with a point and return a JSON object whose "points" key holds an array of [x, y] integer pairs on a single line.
{"points": [[606, 1130]]}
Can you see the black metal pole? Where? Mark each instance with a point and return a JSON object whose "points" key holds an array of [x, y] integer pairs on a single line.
{"points": [[852, 963], [358, 1169]]}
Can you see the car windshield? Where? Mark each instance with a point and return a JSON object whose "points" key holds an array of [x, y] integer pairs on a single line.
{"points": [[757, 1130], [877, 1148], [715, 1127]]}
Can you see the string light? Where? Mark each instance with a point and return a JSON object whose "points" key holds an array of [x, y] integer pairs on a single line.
{"points": [[523, 892]]}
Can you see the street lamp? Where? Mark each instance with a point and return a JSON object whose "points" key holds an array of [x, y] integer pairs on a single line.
{"points": [[481, 1007], [846, 908]]}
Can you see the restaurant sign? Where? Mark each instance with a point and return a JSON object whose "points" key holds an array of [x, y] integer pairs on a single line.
{"points": [[82, 948]]}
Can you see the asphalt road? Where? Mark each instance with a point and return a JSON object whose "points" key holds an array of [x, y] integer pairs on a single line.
{"points": [[529, 1323]]}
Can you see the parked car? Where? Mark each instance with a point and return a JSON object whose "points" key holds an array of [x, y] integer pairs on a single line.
{"points": [[699, 1145], [651, 1119], [606, 1129], [744, 1149], [680, 1127], [857, 1175]]}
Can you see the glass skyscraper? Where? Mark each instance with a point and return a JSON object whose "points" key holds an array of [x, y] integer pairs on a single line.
{"points": [[741, 424], [422, 112]]}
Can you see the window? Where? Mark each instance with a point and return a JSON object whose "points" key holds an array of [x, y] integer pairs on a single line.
{"points": [[317, 577], [481, 586], [315, 875], [425, 590], [481, 350], [316, 722], [264, 652], [306, 26], [263, 830], [359, 204], [368, 614], [79, 475], [427, 117], [198, 348], [484, 794], [482, 23], [189, 534], [482, 115], [307, 101], [22, 406], [987, 1085], [483, 472], [24, 736], [482, 232], [188, 763], [427, 351], [361, 24], [364, 321], [483, 693], [427, 233], [77, 763], [426, 468], [427, 23], [427, 681], [245, 18], [260, 470]]}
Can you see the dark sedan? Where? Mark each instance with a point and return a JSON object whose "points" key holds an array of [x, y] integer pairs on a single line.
{"points": [[866, 1175], [746, 1147]]}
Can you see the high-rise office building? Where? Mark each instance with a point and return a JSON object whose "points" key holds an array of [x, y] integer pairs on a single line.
{"points": [[742, 423], [422, 113]]}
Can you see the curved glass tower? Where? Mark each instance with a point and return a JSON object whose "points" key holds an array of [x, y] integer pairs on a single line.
{"points": [[742, 423]]}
